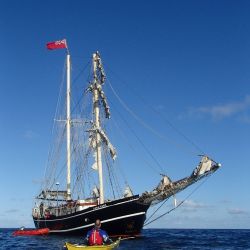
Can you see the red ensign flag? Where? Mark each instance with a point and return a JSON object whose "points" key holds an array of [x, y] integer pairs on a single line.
{"points": [[61, 44]]}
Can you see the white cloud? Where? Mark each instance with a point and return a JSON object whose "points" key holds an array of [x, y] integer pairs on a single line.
{"points": [[221, 111], [237, 211], [192, 206], [12, 211]]}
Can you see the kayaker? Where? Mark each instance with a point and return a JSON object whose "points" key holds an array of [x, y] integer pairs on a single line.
{"points": [[97, 236]]}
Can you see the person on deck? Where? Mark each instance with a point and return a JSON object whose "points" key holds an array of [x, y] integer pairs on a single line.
{"points": [[97, 236]]}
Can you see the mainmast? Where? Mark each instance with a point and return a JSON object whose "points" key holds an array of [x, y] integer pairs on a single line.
{"points": [[68, 122], [97, 126]]}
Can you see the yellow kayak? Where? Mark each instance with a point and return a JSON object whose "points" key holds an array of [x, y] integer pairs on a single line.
{"points": [[104, 247]]}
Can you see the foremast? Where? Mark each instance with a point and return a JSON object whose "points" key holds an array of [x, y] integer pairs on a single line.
{"points": [[97, 135]]}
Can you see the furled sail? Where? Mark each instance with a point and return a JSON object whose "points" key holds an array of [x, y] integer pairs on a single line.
{"points": [[52, 195], [128, 192], [167, 188], [104, 102], [97, 84], [105, 139]]}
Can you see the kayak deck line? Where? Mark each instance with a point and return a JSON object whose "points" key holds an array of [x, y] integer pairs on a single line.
{"points": [[114, 245]]}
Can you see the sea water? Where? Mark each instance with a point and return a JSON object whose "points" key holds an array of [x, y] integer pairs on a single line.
{"points": [[150, 239]]}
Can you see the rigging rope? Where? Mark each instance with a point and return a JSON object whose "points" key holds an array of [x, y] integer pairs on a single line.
{"points": [[76, 78], [169, 211], [159, 113], [79, 74], [55, 115], [140, 141], [54, 151], [136, 117], [156, 211], [110, 173]]}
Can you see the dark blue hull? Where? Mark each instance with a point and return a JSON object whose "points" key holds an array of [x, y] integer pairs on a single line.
{"points": [[123, 217]]}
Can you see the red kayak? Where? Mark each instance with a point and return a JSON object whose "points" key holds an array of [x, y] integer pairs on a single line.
{"points": [[42, 231]]}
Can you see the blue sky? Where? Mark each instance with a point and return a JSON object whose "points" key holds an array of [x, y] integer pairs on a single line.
{"points": [[189, 59]]}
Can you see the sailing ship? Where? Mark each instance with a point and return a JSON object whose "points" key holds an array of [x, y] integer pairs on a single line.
{"points": [[63, 212]]}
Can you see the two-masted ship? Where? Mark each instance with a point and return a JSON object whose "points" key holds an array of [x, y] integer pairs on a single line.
{"points": [[65, 213]]}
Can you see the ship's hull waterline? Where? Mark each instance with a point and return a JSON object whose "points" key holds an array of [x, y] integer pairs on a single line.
{"points": [[124, 217]]}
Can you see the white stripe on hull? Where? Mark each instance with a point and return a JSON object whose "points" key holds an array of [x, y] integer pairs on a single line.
{"points": [[103, 221]]}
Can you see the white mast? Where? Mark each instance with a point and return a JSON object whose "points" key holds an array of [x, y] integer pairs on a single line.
{"points": [[97, 126], [68, 121]]}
